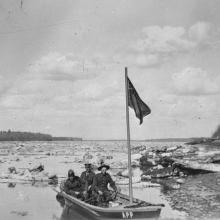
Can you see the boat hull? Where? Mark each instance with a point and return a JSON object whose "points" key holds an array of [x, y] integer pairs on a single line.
{"points": [[98, 213]]}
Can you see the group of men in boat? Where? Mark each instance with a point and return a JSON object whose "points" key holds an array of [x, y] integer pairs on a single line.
{"points": [[91, 187]]}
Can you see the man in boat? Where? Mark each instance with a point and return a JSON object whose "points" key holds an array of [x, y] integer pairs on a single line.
{"points": [[73, 185], [87, 179], [100, 186]]}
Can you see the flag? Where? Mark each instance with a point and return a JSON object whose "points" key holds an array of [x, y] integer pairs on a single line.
{"points": [[135, 102]]}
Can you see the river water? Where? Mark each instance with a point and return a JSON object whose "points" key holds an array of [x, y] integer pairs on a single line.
{"points": [[198, 197]]}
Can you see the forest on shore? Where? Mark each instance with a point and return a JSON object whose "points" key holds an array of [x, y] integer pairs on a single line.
{"points": [[30, 136]]}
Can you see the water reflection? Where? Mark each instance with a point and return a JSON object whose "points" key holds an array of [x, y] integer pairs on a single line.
{"points": [[11, 185], [60, 199], [74, 213]]}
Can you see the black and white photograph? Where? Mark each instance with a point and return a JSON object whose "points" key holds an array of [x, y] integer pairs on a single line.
{"points": [[109, 109]]}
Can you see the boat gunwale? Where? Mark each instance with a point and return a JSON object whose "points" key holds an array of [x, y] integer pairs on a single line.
{"points": [[111, 209]]}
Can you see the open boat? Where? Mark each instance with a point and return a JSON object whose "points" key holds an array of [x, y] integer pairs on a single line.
{"points": [[124, 207], [138, 210]]}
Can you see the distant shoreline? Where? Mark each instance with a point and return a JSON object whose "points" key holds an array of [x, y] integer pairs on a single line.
{"points": [[30, 136], [146, 140]]}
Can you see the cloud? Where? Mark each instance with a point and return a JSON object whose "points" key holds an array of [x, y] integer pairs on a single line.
{"points": [[158, 44], [195, 81], [17, 101], [192, 107], [201, 32], [147, 60], [163, 40], [97, 90], [183, 108], [5, 84], [57, 67], [58, 82]]}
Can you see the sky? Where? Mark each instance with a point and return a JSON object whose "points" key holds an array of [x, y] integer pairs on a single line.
{"points": [[62, 67]]}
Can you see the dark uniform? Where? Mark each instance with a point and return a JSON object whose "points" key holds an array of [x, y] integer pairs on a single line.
{"points": [[100, 183], [73, 187], [87, 180]]}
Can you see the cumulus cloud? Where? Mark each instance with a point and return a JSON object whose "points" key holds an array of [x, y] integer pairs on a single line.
{"points": [[61, 82], [195, 81], [5, 84], [97, 90], [191, 106], [201, 32], [187, 107], [55, 66], [147, 60], [156, 43], [17, 101], [163, 40]]}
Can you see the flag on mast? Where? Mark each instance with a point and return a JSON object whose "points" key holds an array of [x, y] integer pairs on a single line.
{"points": [[135, 102]]}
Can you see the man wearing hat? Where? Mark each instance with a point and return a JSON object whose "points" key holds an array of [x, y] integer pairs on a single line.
{"points": [[73, 184], [87, 179], [100, 185]]}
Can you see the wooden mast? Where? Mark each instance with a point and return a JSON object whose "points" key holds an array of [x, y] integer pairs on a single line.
{"points": [[128, 138]]}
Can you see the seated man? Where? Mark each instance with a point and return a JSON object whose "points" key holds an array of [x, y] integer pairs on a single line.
{"points": [[73, 185], [100, 186], [87, 179]]}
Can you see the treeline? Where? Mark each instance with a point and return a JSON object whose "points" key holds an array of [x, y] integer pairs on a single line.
{"points": [[23, 136], [30, 136]]}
